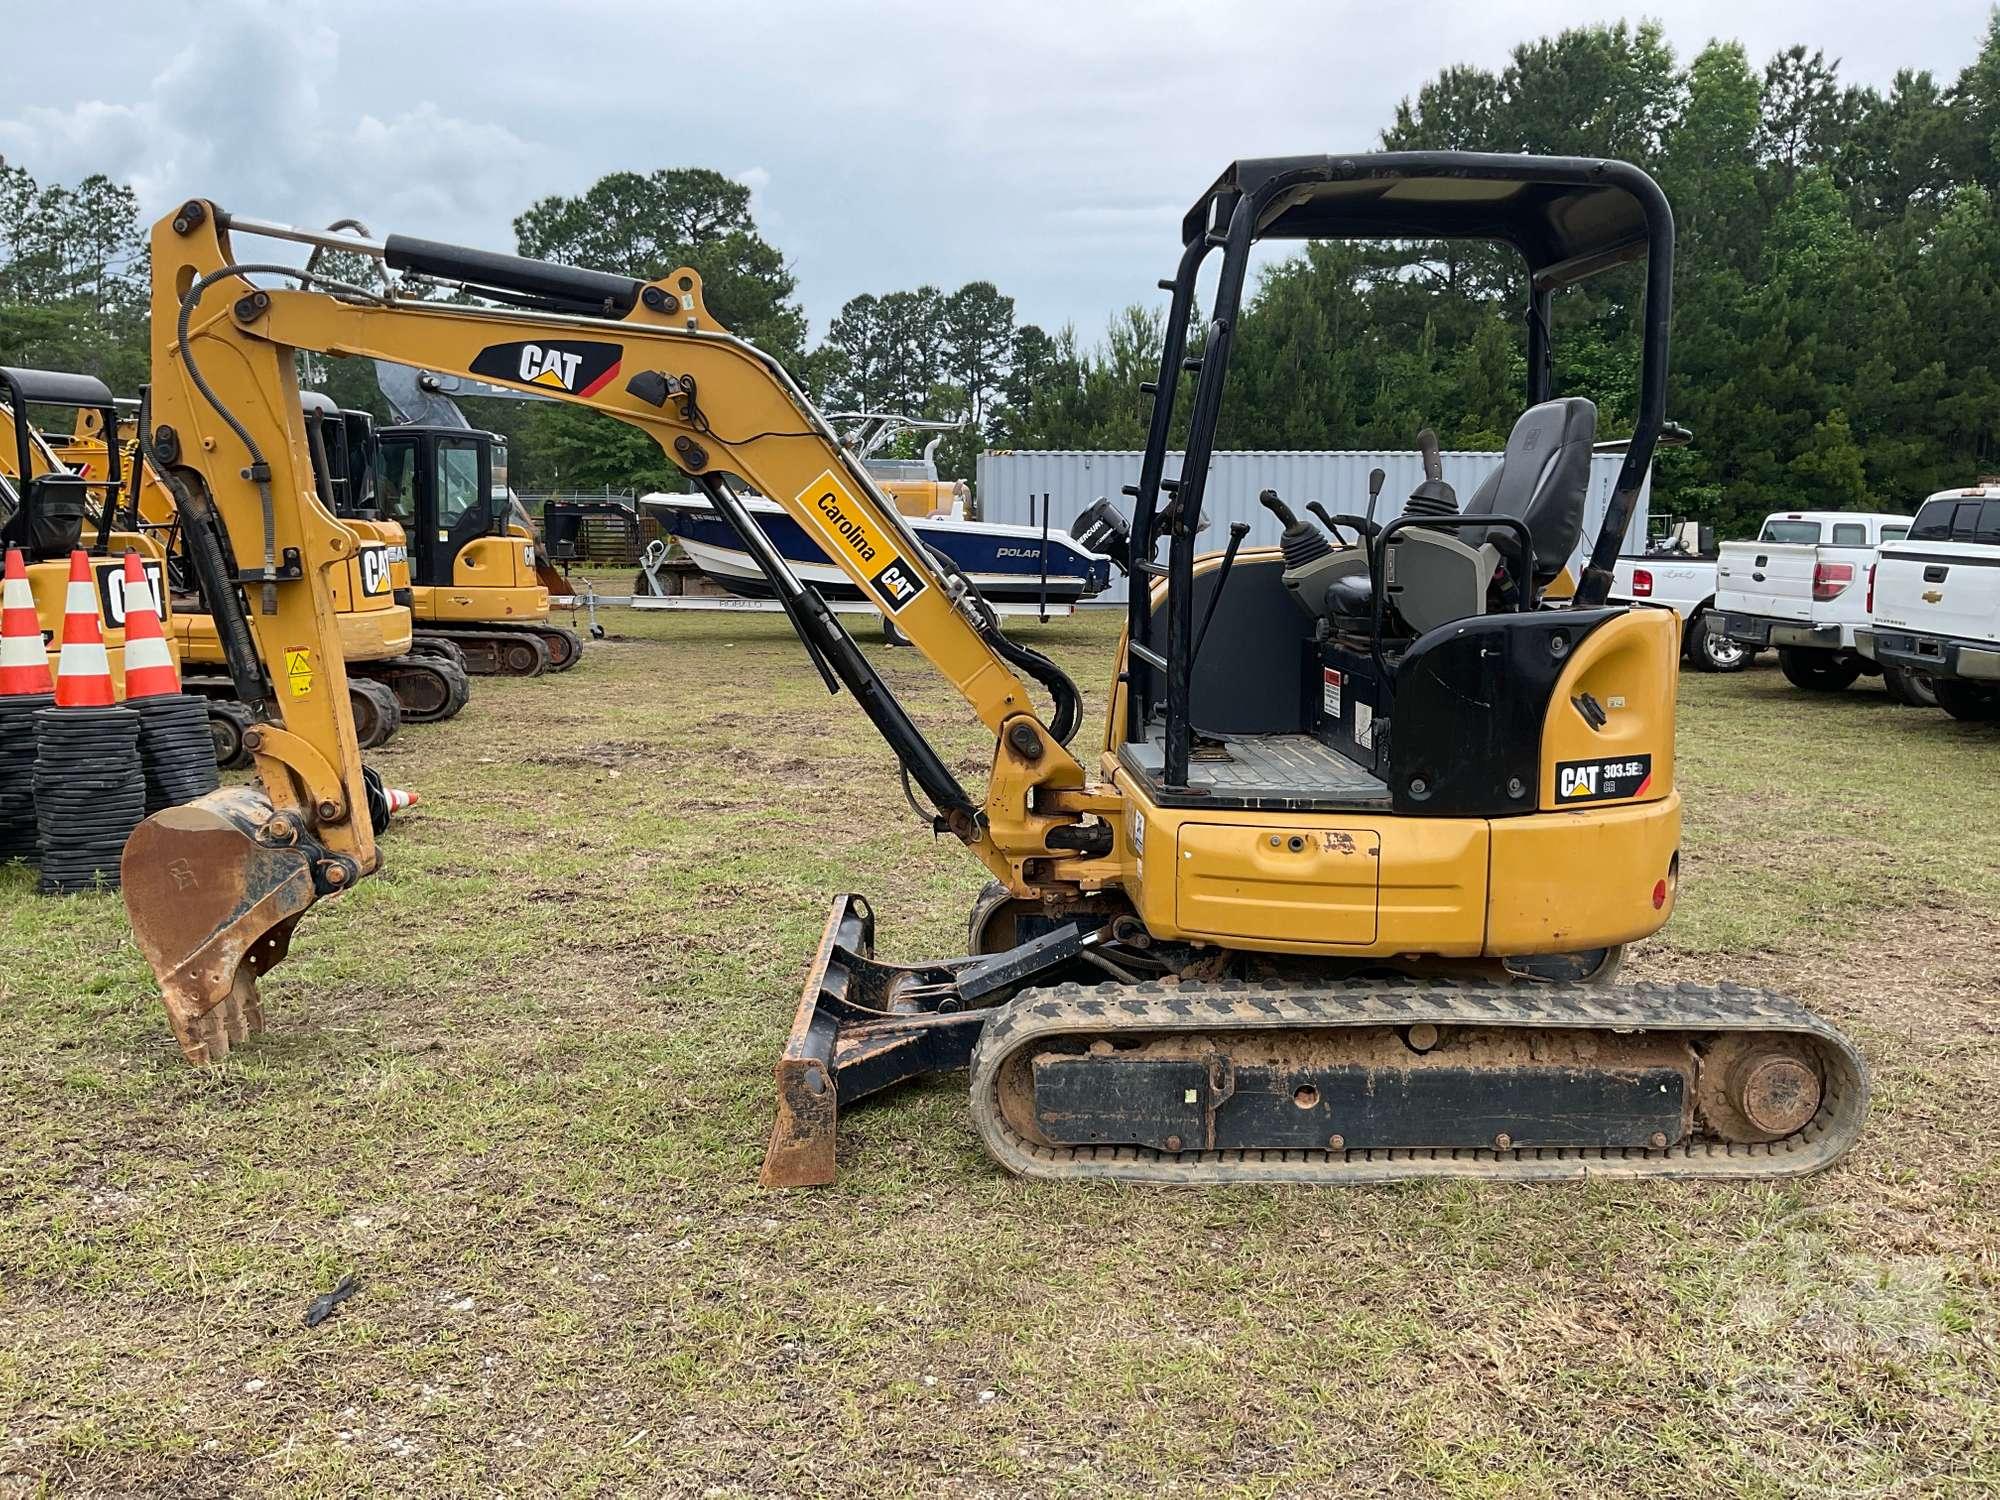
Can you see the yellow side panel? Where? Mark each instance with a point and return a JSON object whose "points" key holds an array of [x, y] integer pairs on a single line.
{"points": [[1567, 881], [375, 634], [1317, 887], [1198, 875], [493, 562], [1630, 666]]}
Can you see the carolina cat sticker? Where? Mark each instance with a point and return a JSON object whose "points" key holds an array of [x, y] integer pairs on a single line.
{"points": [[856, 533], [1602, 780]]}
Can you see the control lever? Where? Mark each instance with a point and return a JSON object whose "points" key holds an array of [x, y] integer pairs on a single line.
{"points": [[1433, 497], [1237, 531], [1302, 542], [1362, 526], [1331, 523]]}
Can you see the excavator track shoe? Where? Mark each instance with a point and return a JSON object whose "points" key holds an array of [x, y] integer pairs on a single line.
{"points": [[1369, 1082], [213, 889], [429, 689], [565, 646]]}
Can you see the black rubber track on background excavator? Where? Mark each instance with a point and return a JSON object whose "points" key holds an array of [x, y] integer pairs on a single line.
{"points": [[377, 714], [1656, 1077], [507, 651], [429, 688]]}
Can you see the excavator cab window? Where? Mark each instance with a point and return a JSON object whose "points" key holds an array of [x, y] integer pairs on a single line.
{"points": [[396, 484], [440, 484]]}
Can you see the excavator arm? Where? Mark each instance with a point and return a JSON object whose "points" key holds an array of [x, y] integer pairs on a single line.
{"points": [[214, 888]]}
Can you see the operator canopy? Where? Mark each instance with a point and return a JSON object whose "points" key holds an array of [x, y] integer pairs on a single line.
{"points": [[1569, 217]]}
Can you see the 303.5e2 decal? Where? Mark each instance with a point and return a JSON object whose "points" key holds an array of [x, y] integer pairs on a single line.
{"points": [[581, 367], [1602, 780]]}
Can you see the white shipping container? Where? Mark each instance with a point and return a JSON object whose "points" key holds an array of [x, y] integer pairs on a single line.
{"points": [[1011, 483]]}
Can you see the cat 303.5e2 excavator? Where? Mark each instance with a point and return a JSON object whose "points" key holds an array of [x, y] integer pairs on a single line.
{"points": [[1336, 897]]}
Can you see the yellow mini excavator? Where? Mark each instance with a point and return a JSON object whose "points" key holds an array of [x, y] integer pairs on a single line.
{"points": [[48, 509], [1336, 897]]}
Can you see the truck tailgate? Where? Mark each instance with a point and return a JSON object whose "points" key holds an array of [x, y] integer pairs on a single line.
{"points": [[1939, 588], [1772, 579]]}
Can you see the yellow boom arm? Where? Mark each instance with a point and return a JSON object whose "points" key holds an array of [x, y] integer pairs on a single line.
{"points": [[228, 431]]}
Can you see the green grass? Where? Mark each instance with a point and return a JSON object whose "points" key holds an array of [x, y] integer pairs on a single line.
{"points": [[520, 1084]]}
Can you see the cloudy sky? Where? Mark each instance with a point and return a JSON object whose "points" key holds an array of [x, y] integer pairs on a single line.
{"points": [[1048, 147]]}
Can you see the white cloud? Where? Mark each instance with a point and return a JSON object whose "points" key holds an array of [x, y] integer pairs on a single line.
{"points": [[249, 115], [1048, 146]]}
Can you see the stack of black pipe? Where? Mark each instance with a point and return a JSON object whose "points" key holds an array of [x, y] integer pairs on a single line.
{"points": [[17, 774], [90, 793], [175, 749]]}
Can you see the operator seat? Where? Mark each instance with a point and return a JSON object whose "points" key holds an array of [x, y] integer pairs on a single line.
{"points": [[1543, 479]]}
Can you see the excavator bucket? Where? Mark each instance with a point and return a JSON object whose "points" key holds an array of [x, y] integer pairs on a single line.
{"points": [[214, 888]]}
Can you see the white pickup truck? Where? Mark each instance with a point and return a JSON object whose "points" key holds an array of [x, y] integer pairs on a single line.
{"points": [[1802, 586], [1677, 572], [1934, 599]]}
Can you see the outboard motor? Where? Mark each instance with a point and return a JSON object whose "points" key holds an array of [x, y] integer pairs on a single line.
{"points": [[1101, 529]]}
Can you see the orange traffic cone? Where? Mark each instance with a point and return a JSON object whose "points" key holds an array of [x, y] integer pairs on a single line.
{"points": [[83, 671], [149, 665], [24, 660], [399, 799]]}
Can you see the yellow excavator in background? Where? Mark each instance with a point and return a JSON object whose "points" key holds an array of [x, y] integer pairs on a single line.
{"points": [[1338, 894], [388, 684], [48, 510]]}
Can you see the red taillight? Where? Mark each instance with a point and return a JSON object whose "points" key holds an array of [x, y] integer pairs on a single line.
{"points": [[1642, 584], [1659, 894], [1869, 604], [1830, 580]]}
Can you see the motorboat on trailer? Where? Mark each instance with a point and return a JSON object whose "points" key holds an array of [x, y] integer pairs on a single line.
{"points": [[1011, 565]]}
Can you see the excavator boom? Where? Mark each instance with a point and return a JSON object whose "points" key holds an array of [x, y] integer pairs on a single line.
{"points": [[214, 888]]}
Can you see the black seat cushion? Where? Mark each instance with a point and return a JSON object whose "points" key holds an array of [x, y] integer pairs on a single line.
{"points": [[1543, 479]]}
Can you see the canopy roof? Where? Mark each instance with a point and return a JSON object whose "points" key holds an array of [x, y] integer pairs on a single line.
{"points": [[54, 387], [1569, 217]]}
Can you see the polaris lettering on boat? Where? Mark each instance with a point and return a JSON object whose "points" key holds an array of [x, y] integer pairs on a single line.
{"points": [[582, 367], [374, 561], [1603, 780], [849, 527]]}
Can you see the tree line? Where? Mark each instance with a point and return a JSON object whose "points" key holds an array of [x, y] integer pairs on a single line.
{"points": [[1837, 293]]}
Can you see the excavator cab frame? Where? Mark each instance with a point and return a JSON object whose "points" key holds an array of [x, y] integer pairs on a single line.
{"points": [[446, 487], [52, 503], [1569, 218]]}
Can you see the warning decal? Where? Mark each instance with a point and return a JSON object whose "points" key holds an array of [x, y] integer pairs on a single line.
{"points": [[1330, 692], [845, 519], [1603, 780], [298, 670]]}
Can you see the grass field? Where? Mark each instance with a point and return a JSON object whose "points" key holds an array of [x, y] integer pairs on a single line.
{"points": [[520, 1085]]}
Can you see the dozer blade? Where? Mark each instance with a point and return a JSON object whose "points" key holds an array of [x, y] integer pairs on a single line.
{"points": [[214, 889], [863, 1025]]}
